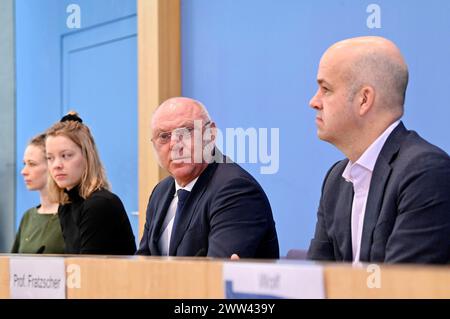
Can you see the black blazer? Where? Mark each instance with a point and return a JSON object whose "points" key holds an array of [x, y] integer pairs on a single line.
{"points": [[227, 212], [98, 225], [407, 218]]}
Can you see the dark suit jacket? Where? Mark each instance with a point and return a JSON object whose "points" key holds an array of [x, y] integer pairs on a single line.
{"points": [[227, 212], [407, 217]]}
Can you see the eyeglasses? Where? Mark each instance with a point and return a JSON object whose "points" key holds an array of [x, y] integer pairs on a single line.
{"points": [[179, 133]]}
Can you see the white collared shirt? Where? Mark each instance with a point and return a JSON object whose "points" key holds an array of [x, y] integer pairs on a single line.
{"points": [[360, 175], [164, 240]]}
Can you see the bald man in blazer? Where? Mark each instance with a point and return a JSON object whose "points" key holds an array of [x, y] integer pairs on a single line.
{"points": [[389, 201]]}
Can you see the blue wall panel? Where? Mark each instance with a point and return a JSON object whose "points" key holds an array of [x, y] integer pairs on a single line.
{"points": [[100, 82]]}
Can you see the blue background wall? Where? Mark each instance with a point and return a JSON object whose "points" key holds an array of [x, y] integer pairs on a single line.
{"points": [[253, 63]]}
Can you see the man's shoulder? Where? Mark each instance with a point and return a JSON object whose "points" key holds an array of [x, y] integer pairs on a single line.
{"points": [[333, 181], [335, 171], [415, 143], [230, 172], [415, 151], [163, 186]]}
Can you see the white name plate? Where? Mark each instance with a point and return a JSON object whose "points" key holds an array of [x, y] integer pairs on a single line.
{"points": [[37, 278], [258, 280]]}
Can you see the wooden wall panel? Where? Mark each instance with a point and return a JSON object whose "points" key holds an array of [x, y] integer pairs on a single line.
{"points": [[159, 77]]}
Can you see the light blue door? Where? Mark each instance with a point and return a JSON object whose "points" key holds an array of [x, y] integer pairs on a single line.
{"points": [[92, 70], [100, 83]]}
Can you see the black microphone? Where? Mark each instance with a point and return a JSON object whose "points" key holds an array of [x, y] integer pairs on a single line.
{"points": [[40, 250], [201, 253]]}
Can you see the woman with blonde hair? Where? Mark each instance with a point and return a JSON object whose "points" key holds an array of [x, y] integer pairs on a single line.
{"points": [[39, 230], [93, 219]]}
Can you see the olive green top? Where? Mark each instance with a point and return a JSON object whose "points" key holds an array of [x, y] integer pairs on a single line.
{"points": [[39, 233]]}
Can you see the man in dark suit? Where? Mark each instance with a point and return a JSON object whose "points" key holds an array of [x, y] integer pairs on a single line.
{"points": [[209, 206], [389, 201]]}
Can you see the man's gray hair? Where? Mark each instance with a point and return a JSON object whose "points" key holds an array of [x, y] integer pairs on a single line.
{"points": [[387, 76], [203, 109]]}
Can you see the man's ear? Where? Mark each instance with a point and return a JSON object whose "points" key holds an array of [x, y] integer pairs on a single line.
{"points": [[366, 99], [210, 131]]}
